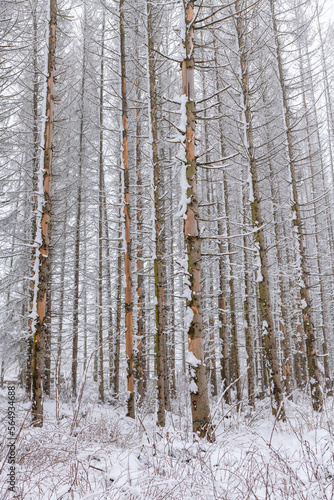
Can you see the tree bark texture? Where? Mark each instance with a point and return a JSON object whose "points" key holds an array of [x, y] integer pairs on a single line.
{"points": [[200, 408], [127, 254], [41, 267]]}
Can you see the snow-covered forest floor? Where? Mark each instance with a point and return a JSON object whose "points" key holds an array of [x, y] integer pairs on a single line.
{"points": [[109, 456]]}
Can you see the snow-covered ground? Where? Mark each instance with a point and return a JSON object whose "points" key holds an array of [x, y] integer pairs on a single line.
{"points": [[109, 456]]}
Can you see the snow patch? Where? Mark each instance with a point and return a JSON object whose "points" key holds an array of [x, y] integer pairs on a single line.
{"points": [[188, 317], [192, 360], [303, 303], [193, 386]]}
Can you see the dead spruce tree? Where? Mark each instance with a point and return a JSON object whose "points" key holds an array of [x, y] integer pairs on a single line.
{"points": [[40, 265], [127, 254], [200, 408]]}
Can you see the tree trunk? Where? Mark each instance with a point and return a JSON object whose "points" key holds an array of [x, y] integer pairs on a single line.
{"points": [[172, 292], [200, 408], [41, 268], [140, 357], [225, 361], [159, 264], [109, 286], [118, 310], [35, 186], [247, 310], [61, 302], [127, 255], [223, 328], [47, 356], [101, 204]]}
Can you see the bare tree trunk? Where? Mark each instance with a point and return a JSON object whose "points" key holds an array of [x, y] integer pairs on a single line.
{"points": [[47, 356], [202, 424], [247, 310], [75, 320], [119, 303], [101, 195], [35, 185], [140, 357], [209, 340], [116, 381], [77, 256], [283, 320], [41, 268], [84, 292], [127, 256], [223, 329], [61, 302], [2, 373], [159, 264], [172, 291], [225, 361], [108, 273]]}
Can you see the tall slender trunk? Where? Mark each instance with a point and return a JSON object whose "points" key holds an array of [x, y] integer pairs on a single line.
{"points": [[223, 269], [283, 320], [247, 310], [127, 255], [35, 185], [223, 329], [75, 320], [61, 301], [108, 286], [159, 263], [163, 209], [116, 381], [207, 190], [41, 268], [200, 408], [101, 195], [84, 291], [140, 357], [47, 356], [315, 377], [171, 281]]}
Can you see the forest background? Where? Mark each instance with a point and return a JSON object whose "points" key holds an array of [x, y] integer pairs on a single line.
{"points": [[166, 235]]}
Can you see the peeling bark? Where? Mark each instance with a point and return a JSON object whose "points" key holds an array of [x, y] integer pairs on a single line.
{"points": [[41, 271], [200, 408]]}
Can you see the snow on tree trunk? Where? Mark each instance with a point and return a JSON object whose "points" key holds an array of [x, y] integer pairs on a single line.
{"points": [[41, 267], [200, 408], [127, 254]]}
